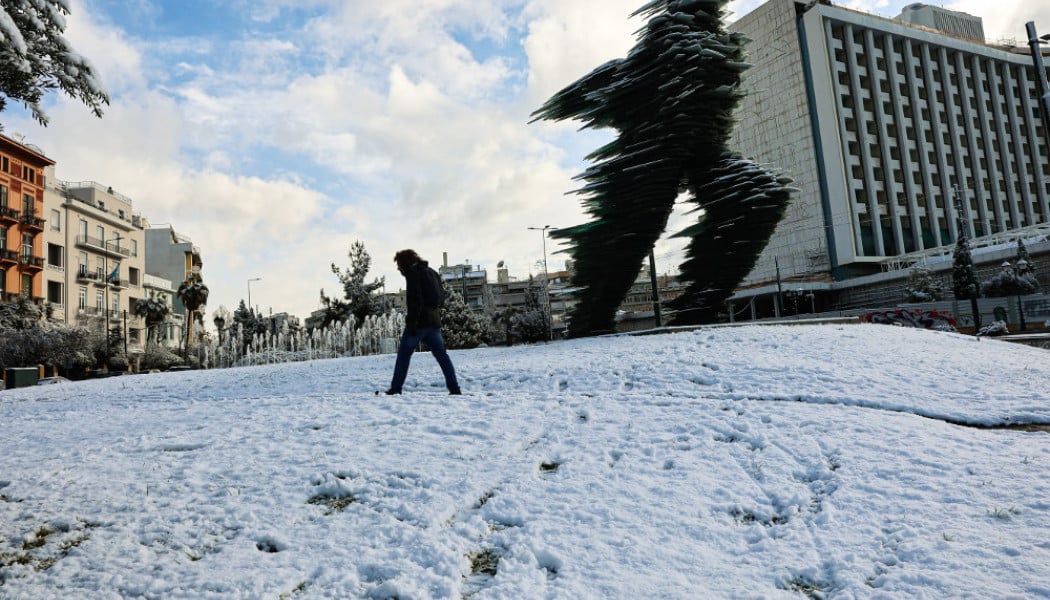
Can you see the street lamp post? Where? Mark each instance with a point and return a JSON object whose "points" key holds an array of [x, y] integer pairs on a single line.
{"points": [[546, 282], [105, 296], [250, 293]]}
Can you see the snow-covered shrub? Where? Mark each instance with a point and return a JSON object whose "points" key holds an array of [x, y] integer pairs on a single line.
{"points": [[156, 356], [994, 329]]}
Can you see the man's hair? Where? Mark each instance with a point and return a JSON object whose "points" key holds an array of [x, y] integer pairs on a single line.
{"points": [[406, 258]]}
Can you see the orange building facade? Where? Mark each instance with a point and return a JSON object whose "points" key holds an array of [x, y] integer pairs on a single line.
{"points": [[21, 220]]}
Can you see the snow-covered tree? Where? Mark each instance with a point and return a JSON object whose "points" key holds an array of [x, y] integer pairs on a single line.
{"points": [[922, 286], [461, 327], [1017, 279], [36, 58], [964, 282], [672, 101], [28, 338], [530, 324], [361, 299], [249, 324]]}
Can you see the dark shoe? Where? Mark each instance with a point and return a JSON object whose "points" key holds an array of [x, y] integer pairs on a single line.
{"points": [[455, 393], [393, 392]]}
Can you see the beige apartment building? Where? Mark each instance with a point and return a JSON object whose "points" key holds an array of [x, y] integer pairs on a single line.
{"points": [[95, 258]]}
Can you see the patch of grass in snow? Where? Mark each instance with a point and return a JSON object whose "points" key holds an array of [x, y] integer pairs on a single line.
{"points": [[38, 539], [485, 562], [549, 467], [29, 552], [747, 516], [801, 584], [1004, 513], [483, 500], [334, 504], [296, 590]]}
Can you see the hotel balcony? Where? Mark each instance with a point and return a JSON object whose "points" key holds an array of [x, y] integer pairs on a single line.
{"points": [[8, 215], [32, 222], [8, 257], [31, 263], [100, 246]]}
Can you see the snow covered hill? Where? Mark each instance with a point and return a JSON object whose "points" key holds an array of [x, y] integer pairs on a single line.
{"points": [[744, 462]]}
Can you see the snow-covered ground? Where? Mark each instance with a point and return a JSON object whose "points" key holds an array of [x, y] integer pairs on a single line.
{"points": [[746, 462]]}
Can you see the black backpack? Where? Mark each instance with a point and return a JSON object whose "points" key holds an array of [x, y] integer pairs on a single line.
{"points": [[433, 292]]}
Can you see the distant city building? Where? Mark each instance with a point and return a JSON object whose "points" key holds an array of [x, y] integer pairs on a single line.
{"points": [[22, 219], [173, 256], [895, 135]]}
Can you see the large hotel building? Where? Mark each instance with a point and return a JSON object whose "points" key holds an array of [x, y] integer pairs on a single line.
{"points": [[898, 132]]}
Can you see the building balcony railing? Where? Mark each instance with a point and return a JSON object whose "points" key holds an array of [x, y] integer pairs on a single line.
{"points": [[8, 297], [33, 263], [32, 222], [84, 275], [8, 214], [8, 256], [107, 247]]}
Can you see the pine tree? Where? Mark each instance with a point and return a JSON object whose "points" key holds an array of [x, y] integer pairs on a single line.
{"points": [[461, 327], [250, 324], [672, 101], [35, 58], [361, 299], [964, 281]]}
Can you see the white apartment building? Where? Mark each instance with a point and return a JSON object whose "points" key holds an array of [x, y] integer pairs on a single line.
{"points": [[895, 133], [95, 260]]}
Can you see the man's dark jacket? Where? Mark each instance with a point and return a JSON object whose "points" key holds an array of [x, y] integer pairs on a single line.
{"points": [[418, 314]]}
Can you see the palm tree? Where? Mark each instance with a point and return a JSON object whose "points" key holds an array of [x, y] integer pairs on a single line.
{"points": [[154, 310], [194, 294]]}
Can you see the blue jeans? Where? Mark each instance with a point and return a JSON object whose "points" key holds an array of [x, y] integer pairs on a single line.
{"points": [[434, 341]]}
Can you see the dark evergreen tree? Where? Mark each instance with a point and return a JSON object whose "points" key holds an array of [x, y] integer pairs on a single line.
{"points": [[672, 101], [964, 281], [248, 323], [361, 299]]}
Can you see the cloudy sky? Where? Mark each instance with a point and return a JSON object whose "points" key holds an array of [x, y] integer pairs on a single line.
{"points": [[275, 133]]}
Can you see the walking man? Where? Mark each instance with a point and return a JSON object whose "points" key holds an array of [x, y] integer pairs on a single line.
{"points": [[424, 296]]}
